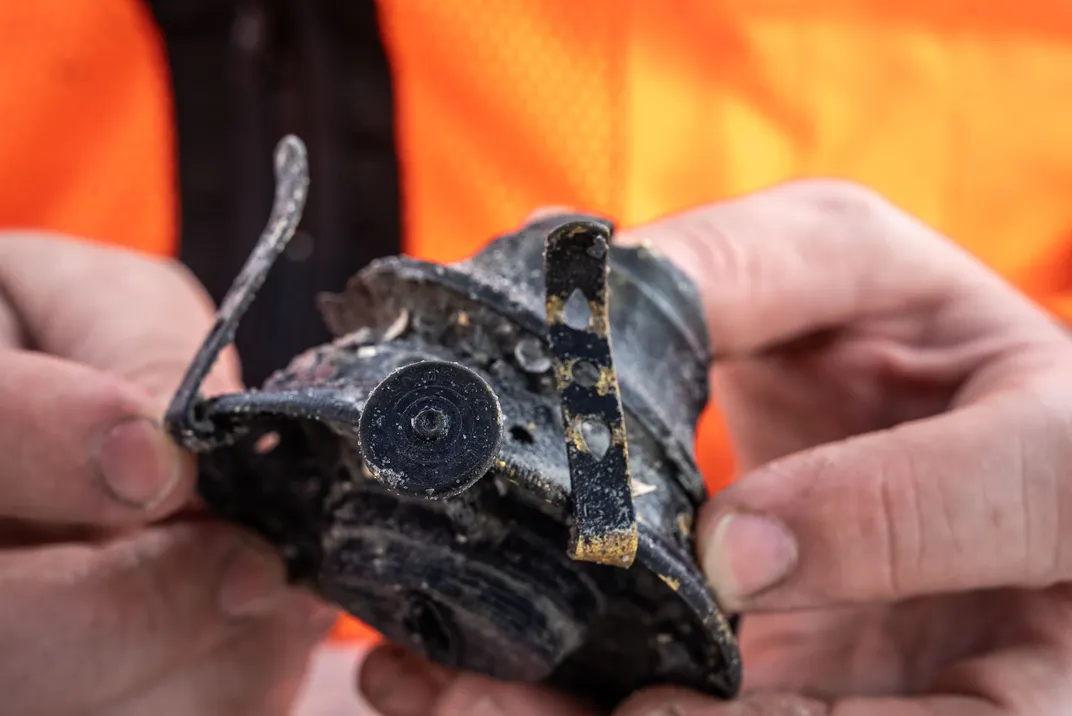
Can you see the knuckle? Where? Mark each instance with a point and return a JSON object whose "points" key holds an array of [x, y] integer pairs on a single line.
{"points": [[117, 399], [1045, 492], [717, 249], [856, 213], [842, 199], [879, 523], [714, 247], [873, 548], [159, 367]]}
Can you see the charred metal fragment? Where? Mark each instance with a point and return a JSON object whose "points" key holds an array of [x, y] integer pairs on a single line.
{"points": [[419, 470], [604, 517], [430, 429]]}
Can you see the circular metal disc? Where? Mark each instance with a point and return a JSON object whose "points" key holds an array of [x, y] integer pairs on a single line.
{"points": [[430, 429]]}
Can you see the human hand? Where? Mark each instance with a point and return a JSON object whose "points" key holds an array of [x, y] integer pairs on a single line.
{"points": [[899, 541], [109, 602]]}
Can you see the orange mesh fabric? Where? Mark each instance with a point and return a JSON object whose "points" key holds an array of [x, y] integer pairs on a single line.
{"points": [[504, 107], [85, 135], [959, 112]]}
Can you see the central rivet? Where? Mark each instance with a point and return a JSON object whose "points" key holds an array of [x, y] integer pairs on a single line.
{"points": [[430, 424]]}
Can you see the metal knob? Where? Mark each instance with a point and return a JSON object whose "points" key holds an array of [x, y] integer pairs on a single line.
{"points": [[430, 429]]}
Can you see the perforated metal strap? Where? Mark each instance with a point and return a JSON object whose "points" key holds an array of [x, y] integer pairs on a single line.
{"points": [[578, 324]]}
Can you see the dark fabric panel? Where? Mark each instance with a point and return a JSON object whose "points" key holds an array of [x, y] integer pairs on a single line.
{"points": [[245, 72]]}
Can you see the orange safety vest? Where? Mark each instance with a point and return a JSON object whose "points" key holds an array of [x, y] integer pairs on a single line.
{"points": [[958, 111]]}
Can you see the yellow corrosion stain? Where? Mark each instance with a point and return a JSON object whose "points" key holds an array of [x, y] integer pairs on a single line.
{"points": [[615, 549], [563, 373], [573, 435], [598, 325], [555, 309], [724, 631], [607, 382], [671, 582], [684, 523]]}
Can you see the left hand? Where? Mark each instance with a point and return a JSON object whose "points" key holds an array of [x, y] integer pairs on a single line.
{"points": [[116, 599], [899, 541]]}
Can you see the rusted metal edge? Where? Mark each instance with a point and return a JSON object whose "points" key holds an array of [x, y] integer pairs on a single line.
{"points": [[604, 526]]}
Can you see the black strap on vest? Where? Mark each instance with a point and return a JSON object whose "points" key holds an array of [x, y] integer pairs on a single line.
{"points": [[244, 73]]}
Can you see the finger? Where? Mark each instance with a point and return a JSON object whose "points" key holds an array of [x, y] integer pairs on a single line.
{"points": [[134, 316], [669, 702], [973, 499], [397, 683], [90, 624], [258, 670], [80, 446], [789, 261], [330, 686]]}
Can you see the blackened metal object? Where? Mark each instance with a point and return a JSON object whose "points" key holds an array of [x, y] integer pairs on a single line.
{"points": [[604, 516], [430, 429], [471, 469]]}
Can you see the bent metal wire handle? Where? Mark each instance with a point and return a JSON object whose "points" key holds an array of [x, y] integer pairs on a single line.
{"points": [[292, 183], [604, 529]]}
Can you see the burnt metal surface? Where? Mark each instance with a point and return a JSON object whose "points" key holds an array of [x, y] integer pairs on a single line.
{"points": [[430, 429], [604, 517], [421, 471]]}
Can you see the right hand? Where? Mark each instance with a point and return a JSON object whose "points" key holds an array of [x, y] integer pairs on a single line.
{"points": [[110, 602], [899, 541]]}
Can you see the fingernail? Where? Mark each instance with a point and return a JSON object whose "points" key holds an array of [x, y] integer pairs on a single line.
{"points": [[397, 683], [748, 554], [254, 580], [138, 464]]}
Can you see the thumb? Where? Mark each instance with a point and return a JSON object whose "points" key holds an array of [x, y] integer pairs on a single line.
{"points": [[968, 500], [133, 316], [80, 446]]}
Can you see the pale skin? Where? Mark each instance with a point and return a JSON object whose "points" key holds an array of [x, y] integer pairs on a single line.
{"points": [[900, 539], [109, 609]]}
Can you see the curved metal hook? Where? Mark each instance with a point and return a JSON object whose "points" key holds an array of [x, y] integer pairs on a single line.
{"points": [[292, 181]]}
